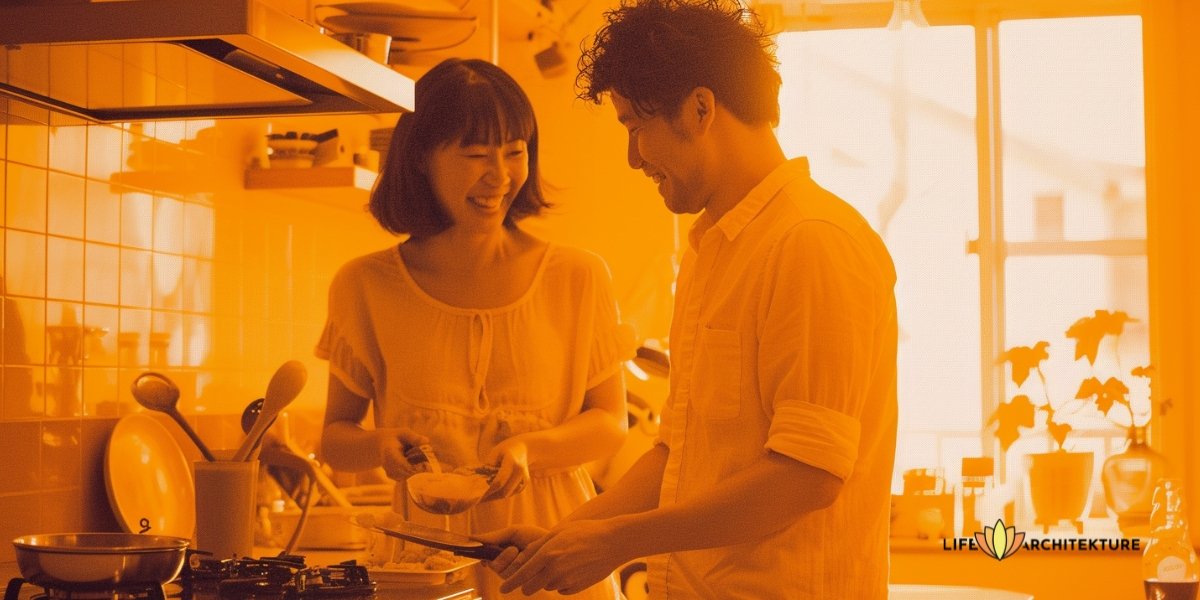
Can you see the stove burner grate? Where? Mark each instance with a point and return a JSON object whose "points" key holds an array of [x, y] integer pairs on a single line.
{"points": [[285, 577], [132, 592]]}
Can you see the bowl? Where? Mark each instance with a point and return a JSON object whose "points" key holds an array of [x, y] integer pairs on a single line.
{"points": [[446, 493], [99, 561]]}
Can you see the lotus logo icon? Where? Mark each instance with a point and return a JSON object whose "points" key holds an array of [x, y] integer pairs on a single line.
{"points": [[999, 542]]}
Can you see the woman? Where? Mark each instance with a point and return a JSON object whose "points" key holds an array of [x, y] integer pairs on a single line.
{"points": [[494, 346]]}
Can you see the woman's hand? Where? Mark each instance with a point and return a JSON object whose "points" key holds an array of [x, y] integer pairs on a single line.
{"points": [[511, 458], [393, 442]]}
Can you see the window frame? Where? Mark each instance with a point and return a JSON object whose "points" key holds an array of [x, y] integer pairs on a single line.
{"points": [[991, 247]]}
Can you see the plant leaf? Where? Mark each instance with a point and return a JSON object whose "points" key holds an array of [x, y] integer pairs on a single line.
{"points": [[1088, 331], [1058, 431], [1112, 391], [1024, 358], [1009, 417]]}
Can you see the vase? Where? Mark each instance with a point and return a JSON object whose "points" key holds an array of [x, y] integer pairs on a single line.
{"points": [[1059, 483], [1129, 478]]}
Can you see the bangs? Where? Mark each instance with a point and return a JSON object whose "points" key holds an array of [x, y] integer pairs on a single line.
{"points": [[487, 114]]}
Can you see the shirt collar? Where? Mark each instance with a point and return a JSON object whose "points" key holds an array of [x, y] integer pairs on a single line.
{"points": [[733, 222]]}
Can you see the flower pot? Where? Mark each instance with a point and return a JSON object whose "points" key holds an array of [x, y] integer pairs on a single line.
{"points": [[1059, 485], [1129, 478]]}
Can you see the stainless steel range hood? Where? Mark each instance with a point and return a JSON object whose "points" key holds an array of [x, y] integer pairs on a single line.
{"points": [[184, 59]]}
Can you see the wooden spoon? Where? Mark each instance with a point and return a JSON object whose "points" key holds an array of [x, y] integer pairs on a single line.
{"points": [[284, 386]]}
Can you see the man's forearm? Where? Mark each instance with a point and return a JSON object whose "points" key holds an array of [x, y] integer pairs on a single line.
{"points": [[766, 497]]}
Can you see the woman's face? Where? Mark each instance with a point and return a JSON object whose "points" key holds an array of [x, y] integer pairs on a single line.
{"points": [[476, 184]]}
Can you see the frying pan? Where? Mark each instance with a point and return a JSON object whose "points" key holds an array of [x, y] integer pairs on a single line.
{"points": [[99, 561]]}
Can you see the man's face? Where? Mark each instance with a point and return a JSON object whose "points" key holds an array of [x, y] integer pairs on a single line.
{"points": [[667, 153]]}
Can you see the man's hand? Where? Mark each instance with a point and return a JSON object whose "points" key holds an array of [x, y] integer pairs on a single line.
{"points": [[514, 539], [568, 559]]}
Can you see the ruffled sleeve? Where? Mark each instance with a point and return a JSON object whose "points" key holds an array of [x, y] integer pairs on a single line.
{"points": [[346, 341]]}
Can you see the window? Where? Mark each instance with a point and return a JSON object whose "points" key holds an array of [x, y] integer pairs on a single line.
{"points": [[1002, 159]]}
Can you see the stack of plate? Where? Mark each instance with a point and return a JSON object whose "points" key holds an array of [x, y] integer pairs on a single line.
{"points": [[291, 150], [414, 25]]}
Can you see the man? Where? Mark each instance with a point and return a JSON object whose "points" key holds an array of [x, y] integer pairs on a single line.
{"points": [[771, 476]]}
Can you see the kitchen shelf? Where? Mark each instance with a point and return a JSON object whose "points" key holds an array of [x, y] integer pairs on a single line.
{"points": [[327, 185], [310, 177]]}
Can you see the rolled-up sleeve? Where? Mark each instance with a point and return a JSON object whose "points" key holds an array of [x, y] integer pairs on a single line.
{"points": [[815, 337], [816, 436]]}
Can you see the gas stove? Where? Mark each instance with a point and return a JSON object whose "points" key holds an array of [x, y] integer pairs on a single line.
{"points": [[269, 578], [280, 577]]}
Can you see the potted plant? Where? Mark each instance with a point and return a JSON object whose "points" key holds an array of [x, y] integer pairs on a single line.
{"points": [[1059, 481], [1129, 476]]}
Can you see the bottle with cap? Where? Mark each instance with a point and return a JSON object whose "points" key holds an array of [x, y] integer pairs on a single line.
{"points": [[1170, 569]]}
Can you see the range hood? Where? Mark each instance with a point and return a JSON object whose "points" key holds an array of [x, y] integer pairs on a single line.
{"points": [[141, 60]]}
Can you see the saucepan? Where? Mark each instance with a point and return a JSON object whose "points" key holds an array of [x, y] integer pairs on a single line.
{"points": [[99, 561]]}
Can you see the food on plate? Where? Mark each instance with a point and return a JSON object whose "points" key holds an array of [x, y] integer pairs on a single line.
{"points": [[414, 557]]}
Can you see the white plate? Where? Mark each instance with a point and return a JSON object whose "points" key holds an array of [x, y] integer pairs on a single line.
{"points": [[403, 8], [408, 32], [149, 479]]}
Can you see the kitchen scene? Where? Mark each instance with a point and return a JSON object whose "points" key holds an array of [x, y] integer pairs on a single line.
{"points": [[182, 181]]}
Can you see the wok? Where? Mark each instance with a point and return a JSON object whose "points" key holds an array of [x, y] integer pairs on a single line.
{"points": [[99, 561]]}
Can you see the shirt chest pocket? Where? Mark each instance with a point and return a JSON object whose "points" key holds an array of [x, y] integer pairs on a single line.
{"points": [[717, 376]]}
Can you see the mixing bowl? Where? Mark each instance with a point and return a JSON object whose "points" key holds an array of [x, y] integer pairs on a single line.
{"points": [[446, 493]]}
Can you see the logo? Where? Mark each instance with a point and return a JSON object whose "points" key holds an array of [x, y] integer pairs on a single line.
{"points": [[999, 542]]}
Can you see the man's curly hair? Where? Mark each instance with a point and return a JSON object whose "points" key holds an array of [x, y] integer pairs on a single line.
{"points": [[654, 52]]}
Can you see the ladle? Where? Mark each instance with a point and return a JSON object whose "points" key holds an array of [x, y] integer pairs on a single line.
{"points": [[284, 453], [156, 391], [284, 386]]}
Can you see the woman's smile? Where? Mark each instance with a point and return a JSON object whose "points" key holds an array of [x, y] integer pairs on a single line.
{"points": [[487, 203]]}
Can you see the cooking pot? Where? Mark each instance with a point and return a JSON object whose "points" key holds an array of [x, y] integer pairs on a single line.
{"points": [[99, 561]]}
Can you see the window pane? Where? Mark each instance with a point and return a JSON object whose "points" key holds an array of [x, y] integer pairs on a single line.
{"points": [[888, 123], [1047, 294], [1074, 169], [1071, 107]]}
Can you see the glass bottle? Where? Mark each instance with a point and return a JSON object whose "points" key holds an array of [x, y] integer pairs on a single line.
{"points": [[1129, 478], [1170, 570]]}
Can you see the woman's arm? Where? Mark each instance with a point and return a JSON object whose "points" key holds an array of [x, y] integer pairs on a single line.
{"points": [[349, 447], [596, 432]]}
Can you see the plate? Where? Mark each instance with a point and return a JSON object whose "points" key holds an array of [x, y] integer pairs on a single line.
{"points": [[149, 479], [421, 576], [408, 32], [406, 8]]}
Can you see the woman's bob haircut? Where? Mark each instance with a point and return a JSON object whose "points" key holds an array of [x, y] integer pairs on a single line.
{"points": [[464, 102]]}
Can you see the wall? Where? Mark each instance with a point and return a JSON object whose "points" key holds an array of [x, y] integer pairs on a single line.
{"points": [[133, 247]]}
